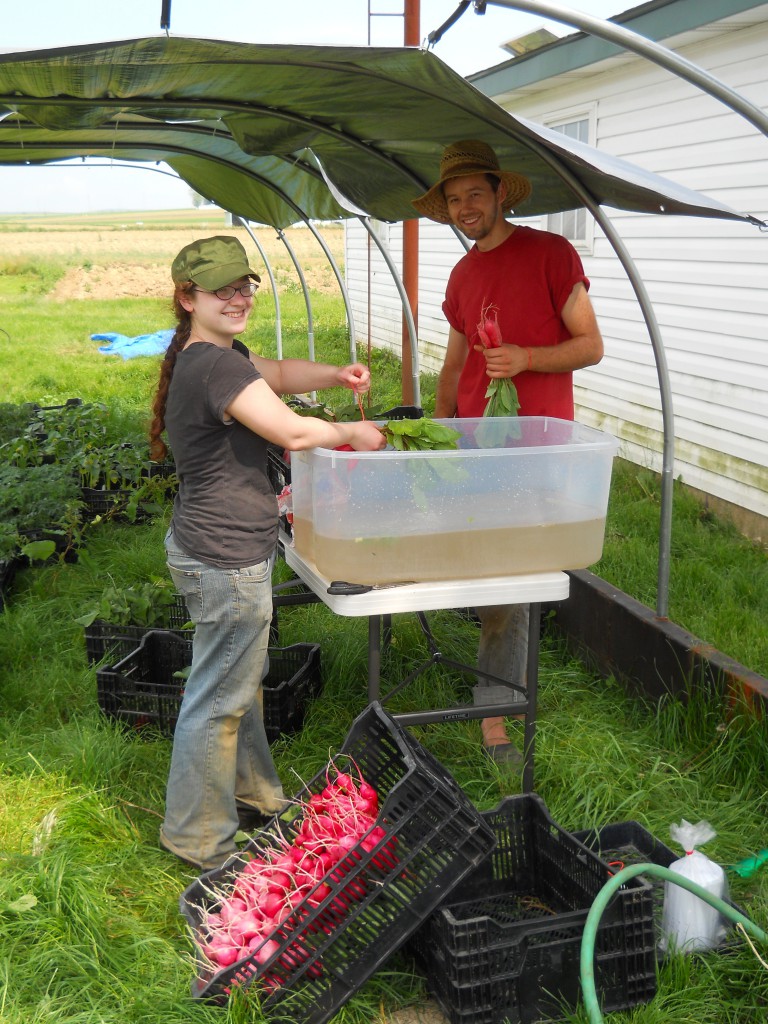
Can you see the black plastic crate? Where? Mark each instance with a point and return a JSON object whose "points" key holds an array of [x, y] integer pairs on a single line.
{"points": [[623, 843], [278, 467], [8, 569], [403, 412], [111, 642], [507, 945], [434, 836], [101, 502], [113, 502], [50, 408], [146, 687], [165, 470]]}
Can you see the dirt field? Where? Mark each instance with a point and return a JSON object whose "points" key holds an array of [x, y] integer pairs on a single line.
{"points": [[131, 261]]}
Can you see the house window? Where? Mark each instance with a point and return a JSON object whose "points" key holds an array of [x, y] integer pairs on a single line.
{"points": [[573, 224]]}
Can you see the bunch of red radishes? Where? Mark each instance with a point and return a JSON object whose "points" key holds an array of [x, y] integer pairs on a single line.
{"points": [[501, 393], [301, 878]]}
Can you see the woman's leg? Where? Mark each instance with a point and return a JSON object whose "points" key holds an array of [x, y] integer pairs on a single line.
{"points": [[220, 748]]}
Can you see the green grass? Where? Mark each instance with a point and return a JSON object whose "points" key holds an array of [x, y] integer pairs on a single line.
{"points": [[718, 584], [89, 929]]}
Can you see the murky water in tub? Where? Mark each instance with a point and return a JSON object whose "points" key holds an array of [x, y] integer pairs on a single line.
{"points": [[466, 554]]}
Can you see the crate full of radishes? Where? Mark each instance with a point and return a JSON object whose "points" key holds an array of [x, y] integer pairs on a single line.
{"points": [[316, 902]]}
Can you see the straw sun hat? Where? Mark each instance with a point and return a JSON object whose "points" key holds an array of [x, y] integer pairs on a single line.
{"points": [[470, 156]]}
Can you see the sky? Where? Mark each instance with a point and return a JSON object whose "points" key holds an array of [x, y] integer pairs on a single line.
{"points": [[473, 43]]}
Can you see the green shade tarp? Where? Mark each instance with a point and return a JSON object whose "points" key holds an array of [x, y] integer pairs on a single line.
{"points": [[277, 134]]}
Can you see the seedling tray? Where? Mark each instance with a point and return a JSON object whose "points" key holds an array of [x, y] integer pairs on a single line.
{"points": [[324, 956], [506, 946], [146, 687], [111, 642]]}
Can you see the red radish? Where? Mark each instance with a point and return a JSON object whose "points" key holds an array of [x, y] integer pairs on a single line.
{"points": [[251, 924], [488, 329], [367, 792], [266, 950], [231, 909], [221, 951], [501, 393]]}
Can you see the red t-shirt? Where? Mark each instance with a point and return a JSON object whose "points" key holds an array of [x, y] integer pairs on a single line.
{"points": [[529, 278]]}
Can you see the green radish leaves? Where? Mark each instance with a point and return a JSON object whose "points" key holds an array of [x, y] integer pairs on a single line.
{"points": [[502, 398], [420, 435]]}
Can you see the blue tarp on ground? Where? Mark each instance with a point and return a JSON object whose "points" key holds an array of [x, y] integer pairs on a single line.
{"points": [[142, 345]]}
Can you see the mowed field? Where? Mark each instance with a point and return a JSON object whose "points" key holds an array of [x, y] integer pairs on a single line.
{"points": [[115, 255]]}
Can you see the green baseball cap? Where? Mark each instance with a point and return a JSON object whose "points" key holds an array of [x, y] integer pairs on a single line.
{"points": [[212, 262]]}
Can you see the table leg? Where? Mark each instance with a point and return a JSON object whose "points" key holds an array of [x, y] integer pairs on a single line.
{"points": [[374, 657], [529, 733]]}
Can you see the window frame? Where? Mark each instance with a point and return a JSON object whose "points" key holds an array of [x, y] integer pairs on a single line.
{"points": [[555, 120]]}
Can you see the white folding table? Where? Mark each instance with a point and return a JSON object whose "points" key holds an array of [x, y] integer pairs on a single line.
{"points": [[380, 602]]}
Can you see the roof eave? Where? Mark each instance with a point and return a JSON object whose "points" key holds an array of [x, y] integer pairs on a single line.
{"points": [[656, 20]]}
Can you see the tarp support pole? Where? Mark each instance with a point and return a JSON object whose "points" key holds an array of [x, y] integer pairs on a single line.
{"points": [[366, 222], [668, 455], [307, 300], [268, 268], [342, 286]]}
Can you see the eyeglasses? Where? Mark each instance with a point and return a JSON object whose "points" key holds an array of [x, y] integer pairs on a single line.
{"points": [[229, 290]]}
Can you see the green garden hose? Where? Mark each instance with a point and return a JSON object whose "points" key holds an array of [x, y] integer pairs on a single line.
{"points": [[601, 901]]}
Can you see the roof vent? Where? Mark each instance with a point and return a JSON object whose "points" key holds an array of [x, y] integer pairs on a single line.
{"points": [[530, 42]]}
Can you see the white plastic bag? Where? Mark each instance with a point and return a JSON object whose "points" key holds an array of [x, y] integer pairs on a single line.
{"points": [[688, 923]]}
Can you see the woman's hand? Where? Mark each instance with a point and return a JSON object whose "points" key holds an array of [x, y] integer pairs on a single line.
{"points": [[355, 376], [365, 436]]}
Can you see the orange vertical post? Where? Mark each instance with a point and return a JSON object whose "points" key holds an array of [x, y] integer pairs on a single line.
{"points": [[412, 37]]}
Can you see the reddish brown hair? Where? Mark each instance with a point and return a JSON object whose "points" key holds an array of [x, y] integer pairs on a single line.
{"points": [[157, 446]]}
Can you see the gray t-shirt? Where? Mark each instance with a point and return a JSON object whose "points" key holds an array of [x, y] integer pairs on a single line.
{"points": [[225, 512]]}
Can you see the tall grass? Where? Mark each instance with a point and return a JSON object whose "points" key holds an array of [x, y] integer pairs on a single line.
{"points": [[89, 929]]}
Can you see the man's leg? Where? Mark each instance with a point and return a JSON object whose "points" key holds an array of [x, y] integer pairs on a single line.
{"points": [[502, 652]]}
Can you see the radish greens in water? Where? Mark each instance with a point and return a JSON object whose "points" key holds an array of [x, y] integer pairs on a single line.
{"points": [[420, 435]]}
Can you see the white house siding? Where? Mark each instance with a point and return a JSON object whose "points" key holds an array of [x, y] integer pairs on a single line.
{"points": [[378, 310], [707, 279]]}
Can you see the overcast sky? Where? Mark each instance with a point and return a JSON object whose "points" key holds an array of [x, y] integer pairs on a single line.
{"points": [[472, 44]]}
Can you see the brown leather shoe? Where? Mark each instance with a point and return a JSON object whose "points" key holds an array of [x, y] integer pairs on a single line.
{"points": [[504, 753]]}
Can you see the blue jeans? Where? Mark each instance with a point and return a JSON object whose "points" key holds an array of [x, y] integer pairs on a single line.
{"points": [[220, 755]]}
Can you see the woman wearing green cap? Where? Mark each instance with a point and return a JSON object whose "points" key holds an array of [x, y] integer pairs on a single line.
{"points": [[219, 405]]}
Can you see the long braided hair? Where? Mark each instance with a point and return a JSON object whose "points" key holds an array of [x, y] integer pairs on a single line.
{"points": [[157, 446]]}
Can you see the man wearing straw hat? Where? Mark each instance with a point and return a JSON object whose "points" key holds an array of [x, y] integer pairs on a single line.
{"points": [[533, 282]]}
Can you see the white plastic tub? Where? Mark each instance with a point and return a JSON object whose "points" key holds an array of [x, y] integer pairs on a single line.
{"points": [[520, 495]]}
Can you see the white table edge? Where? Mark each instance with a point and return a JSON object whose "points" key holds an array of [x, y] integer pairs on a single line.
{"points": [[410, 597]]}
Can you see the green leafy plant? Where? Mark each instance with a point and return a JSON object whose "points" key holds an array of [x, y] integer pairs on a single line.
{"points": [[420, 435], [145, 604], [13, 420], [40, 505], [10, 543]]}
